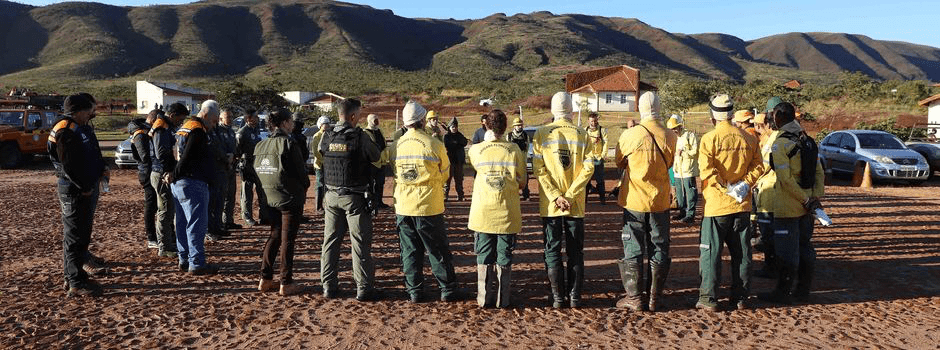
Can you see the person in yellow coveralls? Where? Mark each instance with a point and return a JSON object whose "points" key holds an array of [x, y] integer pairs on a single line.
{"points": [[421, 167], [645, 154], [495, 215], [728, 160], [763, 197], [562, 163]]}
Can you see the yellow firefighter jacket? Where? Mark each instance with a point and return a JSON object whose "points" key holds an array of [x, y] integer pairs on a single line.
{"points": [[501, 172], [645, 183], [727, 155], [686, 163], [421, 167], [561, 163], [789, 196], [765, 184], [597, 142]]}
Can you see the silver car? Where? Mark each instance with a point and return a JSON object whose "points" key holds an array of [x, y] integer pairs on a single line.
{"points": [[844, 151], [123, 154]]}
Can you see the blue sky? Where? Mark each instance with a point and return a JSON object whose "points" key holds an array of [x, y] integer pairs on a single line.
{"points": [[900, 20]]}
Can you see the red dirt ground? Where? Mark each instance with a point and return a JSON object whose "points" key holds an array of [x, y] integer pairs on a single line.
{"points": [[877, 285]]}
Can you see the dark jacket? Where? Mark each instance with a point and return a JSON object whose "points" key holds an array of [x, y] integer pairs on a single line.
{"points": [[162, 133], [245, 140], [520, 140], [455, 142], [223, 145], [140, 148], [195, 152], [301, 139], [285, 183], [377, 137], [75, 153]]}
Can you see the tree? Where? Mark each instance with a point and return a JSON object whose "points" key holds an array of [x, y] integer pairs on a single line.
{"points": [[238, 95]]}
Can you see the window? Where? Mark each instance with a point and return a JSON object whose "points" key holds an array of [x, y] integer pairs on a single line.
{"points": [[879, 141], [143, 105], [623, 98], [11, 118], [833, 140], [34, 121], [609, 97], [49, 119], [847, 142]]}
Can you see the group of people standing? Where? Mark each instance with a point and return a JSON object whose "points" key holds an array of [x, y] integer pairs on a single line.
{"points": [[730, 160]]}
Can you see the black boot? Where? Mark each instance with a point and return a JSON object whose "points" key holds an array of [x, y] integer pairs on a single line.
{"points": [[658, 273], [556, 280], [781, 293], [575, 283], [630, 276], [804, 275]]}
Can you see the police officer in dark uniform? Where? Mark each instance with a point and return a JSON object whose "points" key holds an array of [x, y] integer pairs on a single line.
{"points": [[73, 149], [140, 149], [222, 147], [247, 137], [347, 152], [298, 135]]}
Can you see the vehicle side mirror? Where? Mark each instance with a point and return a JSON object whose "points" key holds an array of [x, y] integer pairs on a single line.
{"points": [[848, 148]]}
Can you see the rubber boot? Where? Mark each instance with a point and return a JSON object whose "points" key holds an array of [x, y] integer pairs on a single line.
{"points": [[630, 275], [658, 273], [556, 280], [575, 283], [503, 277], [486, 276], [781, 293], [804, 275]]}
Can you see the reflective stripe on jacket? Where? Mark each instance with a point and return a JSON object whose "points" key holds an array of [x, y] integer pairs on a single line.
{"points": [[421, 167], [500, 167], [563, 166]]}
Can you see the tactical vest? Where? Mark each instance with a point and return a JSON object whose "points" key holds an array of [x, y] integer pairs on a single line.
{"points": [[343, 163]]}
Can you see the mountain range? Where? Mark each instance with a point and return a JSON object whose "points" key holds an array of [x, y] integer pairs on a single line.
{"points": [[312, 42]]}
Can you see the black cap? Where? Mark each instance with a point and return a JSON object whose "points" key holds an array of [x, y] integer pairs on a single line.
{"points": [[177, 109], [76, 103]]}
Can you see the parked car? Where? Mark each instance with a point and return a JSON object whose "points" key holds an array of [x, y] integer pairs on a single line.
{"points": [[124, 155], [844, 151], [23, 133], [930, 151]]}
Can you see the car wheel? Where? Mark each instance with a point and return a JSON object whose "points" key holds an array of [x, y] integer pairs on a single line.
{"points": [[10, 155]]}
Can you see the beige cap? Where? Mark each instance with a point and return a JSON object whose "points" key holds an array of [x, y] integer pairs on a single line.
{"points": [[722, 107]]}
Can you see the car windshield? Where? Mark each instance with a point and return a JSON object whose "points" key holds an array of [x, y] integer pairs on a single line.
{"points": [[11, 118], [879, 141]]}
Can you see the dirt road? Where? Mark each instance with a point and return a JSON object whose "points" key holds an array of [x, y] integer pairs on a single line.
{"points": [[877, 285]]}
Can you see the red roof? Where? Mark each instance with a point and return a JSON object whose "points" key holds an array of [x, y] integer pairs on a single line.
{"points": [[927, 101], [792, 84], [616, 78]]}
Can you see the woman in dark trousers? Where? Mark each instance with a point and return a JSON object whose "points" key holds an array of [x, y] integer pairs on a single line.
{"points": [[279, 163]]}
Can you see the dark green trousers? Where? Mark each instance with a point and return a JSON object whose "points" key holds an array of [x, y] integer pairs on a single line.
{"points": [[494, 248], [567, 230], [718, 231], [686, 197], [420, 234], [646, 234]]}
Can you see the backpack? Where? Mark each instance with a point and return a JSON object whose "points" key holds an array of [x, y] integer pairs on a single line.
{"points": [[809, 153]]}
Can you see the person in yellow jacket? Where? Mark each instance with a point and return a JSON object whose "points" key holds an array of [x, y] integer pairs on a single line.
{"points": [[685, 170], [799, 185], [728, 159], [421, 167], [495, 215], [597, 143], [433, 126], [763, 194], [645, 154], [562, 163], [323, 123]]}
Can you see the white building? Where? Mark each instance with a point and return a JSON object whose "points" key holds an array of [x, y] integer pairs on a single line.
{"points": [[611, 89], [325, 101], [152, 95], [933, 114], [298, 97]]}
